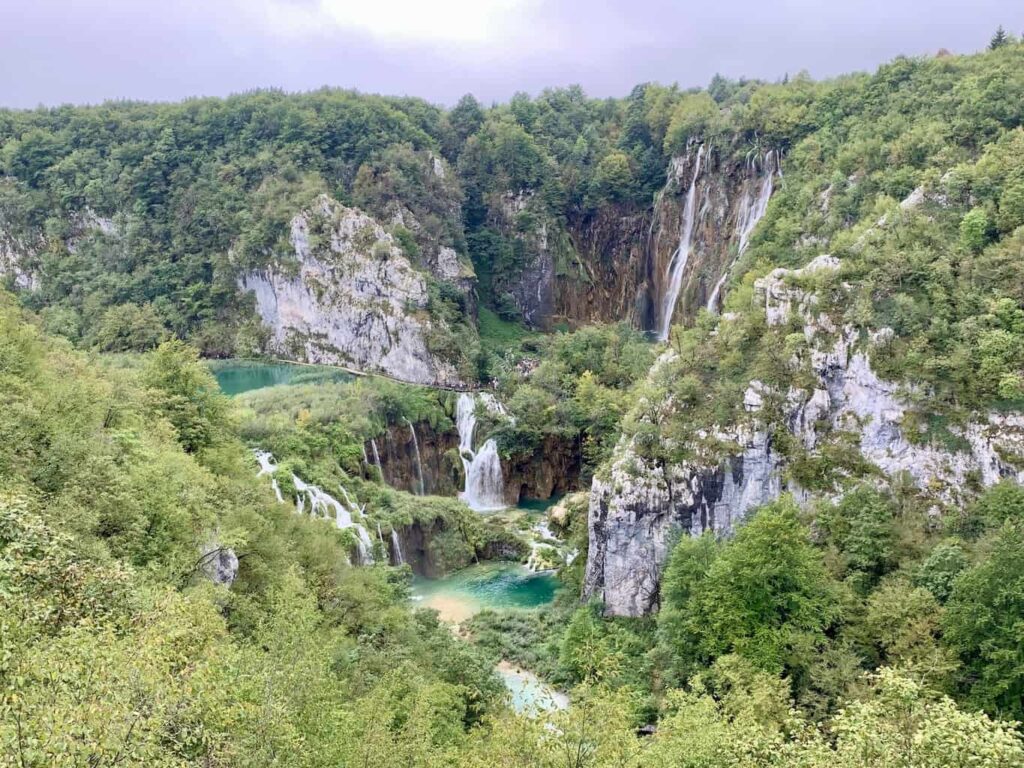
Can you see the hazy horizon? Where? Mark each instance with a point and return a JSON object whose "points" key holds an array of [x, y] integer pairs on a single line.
{"points": [[85, 51]]}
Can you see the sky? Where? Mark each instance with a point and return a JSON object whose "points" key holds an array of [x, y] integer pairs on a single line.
{"points": [[88, 51]]}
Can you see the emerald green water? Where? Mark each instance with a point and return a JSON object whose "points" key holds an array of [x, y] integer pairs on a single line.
{"points": [[488, 585], [236, 377]]}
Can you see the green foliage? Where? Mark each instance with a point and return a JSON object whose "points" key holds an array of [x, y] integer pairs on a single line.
{"points": [[186, 394], [940, 569], [983, 622], [765, 596], [578, 392], [861, 527], [696, 117]]}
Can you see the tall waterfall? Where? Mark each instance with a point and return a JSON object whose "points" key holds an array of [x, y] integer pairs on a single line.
{"points": [[419, 464], [677, 265], [396, 548], [752, 209], [485, 485]]}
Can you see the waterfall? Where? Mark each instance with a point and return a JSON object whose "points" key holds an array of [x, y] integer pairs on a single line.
{"points": [[376, 457], [677, 265], [396, 547], [419, 464], [268, 467], [752, 209], [322, 504], [485, 487]]}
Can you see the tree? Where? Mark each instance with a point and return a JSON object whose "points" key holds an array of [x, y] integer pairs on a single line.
{"points": [[975, 230], [766, 597], [185, 393], [696, 116], [999, 39], [129, 327], [861, 527], [613, 179], [984, 624]]}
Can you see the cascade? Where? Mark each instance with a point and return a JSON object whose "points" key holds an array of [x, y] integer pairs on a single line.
{"points": [[396, 546], [419, 464], [376, 456], [677, 264], [485, 486], [322, 504], [752, 209], [268, 467]]}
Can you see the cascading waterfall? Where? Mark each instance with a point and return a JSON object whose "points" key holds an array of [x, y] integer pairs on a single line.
{"points": [[396, 547], [320, 504], [376, 456], [485, 485], [268, 467], [752, 209], [677, 265], [419, 464]]}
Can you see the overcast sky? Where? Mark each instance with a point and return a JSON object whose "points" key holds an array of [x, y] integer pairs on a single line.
{"points": [[86, 51]]}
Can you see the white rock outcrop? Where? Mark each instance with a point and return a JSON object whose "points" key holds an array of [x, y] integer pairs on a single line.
{"points": [[351, 298]]}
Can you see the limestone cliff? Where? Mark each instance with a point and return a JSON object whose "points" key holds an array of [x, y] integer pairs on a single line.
{"points": [[349, 296], [638, 508], [642, 265]]}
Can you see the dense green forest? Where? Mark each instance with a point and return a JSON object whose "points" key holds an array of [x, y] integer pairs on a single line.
{"points": [[868, 621]]}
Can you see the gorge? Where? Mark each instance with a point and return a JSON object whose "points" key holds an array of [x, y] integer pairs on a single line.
{"points": [[332, 420]]}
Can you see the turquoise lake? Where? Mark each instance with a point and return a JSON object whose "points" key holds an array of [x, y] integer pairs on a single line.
{"points": [[236, 377]]}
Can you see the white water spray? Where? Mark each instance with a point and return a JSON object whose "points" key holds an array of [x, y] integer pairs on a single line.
{"points": [[485, 485], [396, 547], [677, 265], [752, 210], [419, 464], [268, 467]]}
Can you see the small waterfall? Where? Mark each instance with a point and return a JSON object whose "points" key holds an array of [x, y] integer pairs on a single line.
{"points": [[376, 456], [322, 504], [419, 464], [485, 485], [677, 265], [268, 467], [396, 548], [752, 209]]}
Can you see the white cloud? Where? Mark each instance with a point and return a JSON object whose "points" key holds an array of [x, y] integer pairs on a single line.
{"points": [[469, 22]]}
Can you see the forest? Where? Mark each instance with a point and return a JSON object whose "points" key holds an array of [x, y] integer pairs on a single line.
{"points": [[867, 614]]}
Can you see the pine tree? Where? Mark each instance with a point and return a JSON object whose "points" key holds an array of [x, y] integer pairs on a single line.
{"points": [[999, 39]]}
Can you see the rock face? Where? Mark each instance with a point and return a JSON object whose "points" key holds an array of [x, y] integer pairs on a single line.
{"points": [[610, 280], [637, 509], [531, 288], [395, 453], [703, 220], [553, 469], [21, 246], [219, 564], [643, 266], [350, 298]]}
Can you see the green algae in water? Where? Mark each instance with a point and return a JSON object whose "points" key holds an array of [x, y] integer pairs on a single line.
{"points": [[236, 377]]}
